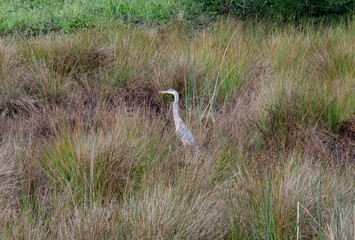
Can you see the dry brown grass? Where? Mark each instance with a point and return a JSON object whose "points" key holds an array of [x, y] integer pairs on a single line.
{"points": [[271, 108]]}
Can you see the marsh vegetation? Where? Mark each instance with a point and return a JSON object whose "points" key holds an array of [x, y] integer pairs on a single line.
{"points": [[271, 107]]}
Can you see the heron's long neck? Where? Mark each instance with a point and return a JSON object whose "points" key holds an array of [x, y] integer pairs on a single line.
{"points": [[177, 118]]}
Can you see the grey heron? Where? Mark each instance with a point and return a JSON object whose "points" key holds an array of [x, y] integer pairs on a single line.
{"points": [[180, 127]]}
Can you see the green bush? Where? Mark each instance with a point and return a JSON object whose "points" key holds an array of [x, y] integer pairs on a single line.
{"points": [[277, 9]]}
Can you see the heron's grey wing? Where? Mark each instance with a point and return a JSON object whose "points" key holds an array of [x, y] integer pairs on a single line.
{"points": [[186, 136]]}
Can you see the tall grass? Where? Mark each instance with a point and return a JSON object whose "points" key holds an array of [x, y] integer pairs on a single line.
{"points": [[271, 107]]}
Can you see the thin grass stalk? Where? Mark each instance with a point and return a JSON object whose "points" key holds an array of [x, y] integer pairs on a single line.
{"points": [[349, 204], [215, 90], [320, 217], [128, 174], [267, 203], [186, 92], [252, 221], [91, 163], [194, 87], [320, 227], [338, 224], [235, 222], [298, 219], [92, 109], [302, 199]]}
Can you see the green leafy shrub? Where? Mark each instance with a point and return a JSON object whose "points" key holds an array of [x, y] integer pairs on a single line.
{"points": [[277, 9]]}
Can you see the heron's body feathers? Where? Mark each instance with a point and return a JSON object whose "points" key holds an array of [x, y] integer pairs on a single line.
{"points": [[186, 136]]}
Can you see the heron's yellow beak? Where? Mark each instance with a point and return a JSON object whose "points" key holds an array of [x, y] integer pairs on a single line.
{"points": [[162, 92]]}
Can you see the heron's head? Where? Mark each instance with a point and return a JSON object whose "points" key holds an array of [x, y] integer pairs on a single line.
{"points": [[171, 91]]}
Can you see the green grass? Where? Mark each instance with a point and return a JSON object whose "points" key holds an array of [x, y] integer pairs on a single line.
{"points": [[72, 15], [143, 10], [43, 14]]}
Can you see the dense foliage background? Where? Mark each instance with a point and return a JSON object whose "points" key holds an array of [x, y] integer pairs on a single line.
{"points": [[279, 9], [68, 15]]}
